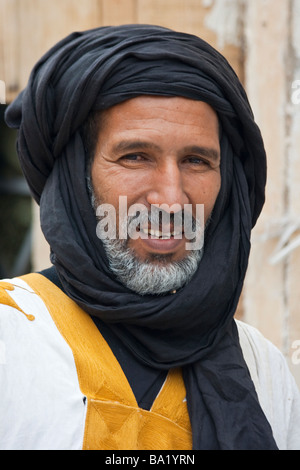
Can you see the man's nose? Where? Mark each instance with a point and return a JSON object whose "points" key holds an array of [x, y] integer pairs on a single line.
{"points": [[167, 187]]}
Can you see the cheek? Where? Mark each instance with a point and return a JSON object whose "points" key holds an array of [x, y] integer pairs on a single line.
{"points": [[216, 187], [106, 182], [110, 183], [207, 193]]}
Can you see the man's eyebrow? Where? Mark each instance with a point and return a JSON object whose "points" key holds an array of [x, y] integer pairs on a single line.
{"points": [[208, 152], [130, 145]]}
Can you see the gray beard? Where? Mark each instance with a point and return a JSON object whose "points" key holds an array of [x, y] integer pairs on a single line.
{"points": [[155, 276]]}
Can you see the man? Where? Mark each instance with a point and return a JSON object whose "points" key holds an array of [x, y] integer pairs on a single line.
{"points": [[129, 342]]}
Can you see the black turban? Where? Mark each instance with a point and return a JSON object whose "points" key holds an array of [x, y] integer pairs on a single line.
{"points": [[193, 329]]}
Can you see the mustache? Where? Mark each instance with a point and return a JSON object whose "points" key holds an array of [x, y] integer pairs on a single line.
{"points": [[140, 221], [157, 219]]}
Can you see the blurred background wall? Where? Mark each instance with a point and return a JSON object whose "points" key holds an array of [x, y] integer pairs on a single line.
{"points": [[261, 40]]}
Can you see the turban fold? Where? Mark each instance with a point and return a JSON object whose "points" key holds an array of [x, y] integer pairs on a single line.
{"points": [[194, 329]]}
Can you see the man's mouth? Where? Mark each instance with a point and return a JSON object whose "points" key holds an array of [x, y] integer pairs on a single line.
{"points": [[163, 235]]}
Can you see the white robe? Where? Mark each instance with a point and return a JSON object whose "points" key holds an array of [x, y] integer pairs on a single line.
{"points": [[42, 406]]}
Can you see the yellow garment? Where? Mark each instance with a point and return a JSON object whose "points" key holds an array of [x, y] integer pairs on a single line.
{"points": [[114, 420], [6, 299]]}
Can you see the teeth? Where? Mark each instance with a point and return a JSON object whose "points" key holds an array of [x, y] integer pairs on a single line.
{"points": [[159, 234]]}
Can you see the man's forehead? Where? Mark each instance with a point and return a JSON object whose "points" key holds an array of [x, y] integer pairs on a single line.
{"points": [[174, 103], [147, 111]]}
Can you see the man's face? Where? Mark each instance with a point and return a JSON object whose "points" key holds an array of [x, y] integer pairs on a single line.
{"points": [[157, 150]]}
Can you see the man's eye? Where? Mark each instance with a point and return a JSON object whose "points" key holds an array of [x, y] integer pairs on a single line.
{"points": [[133, 157], [197, 161]]}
